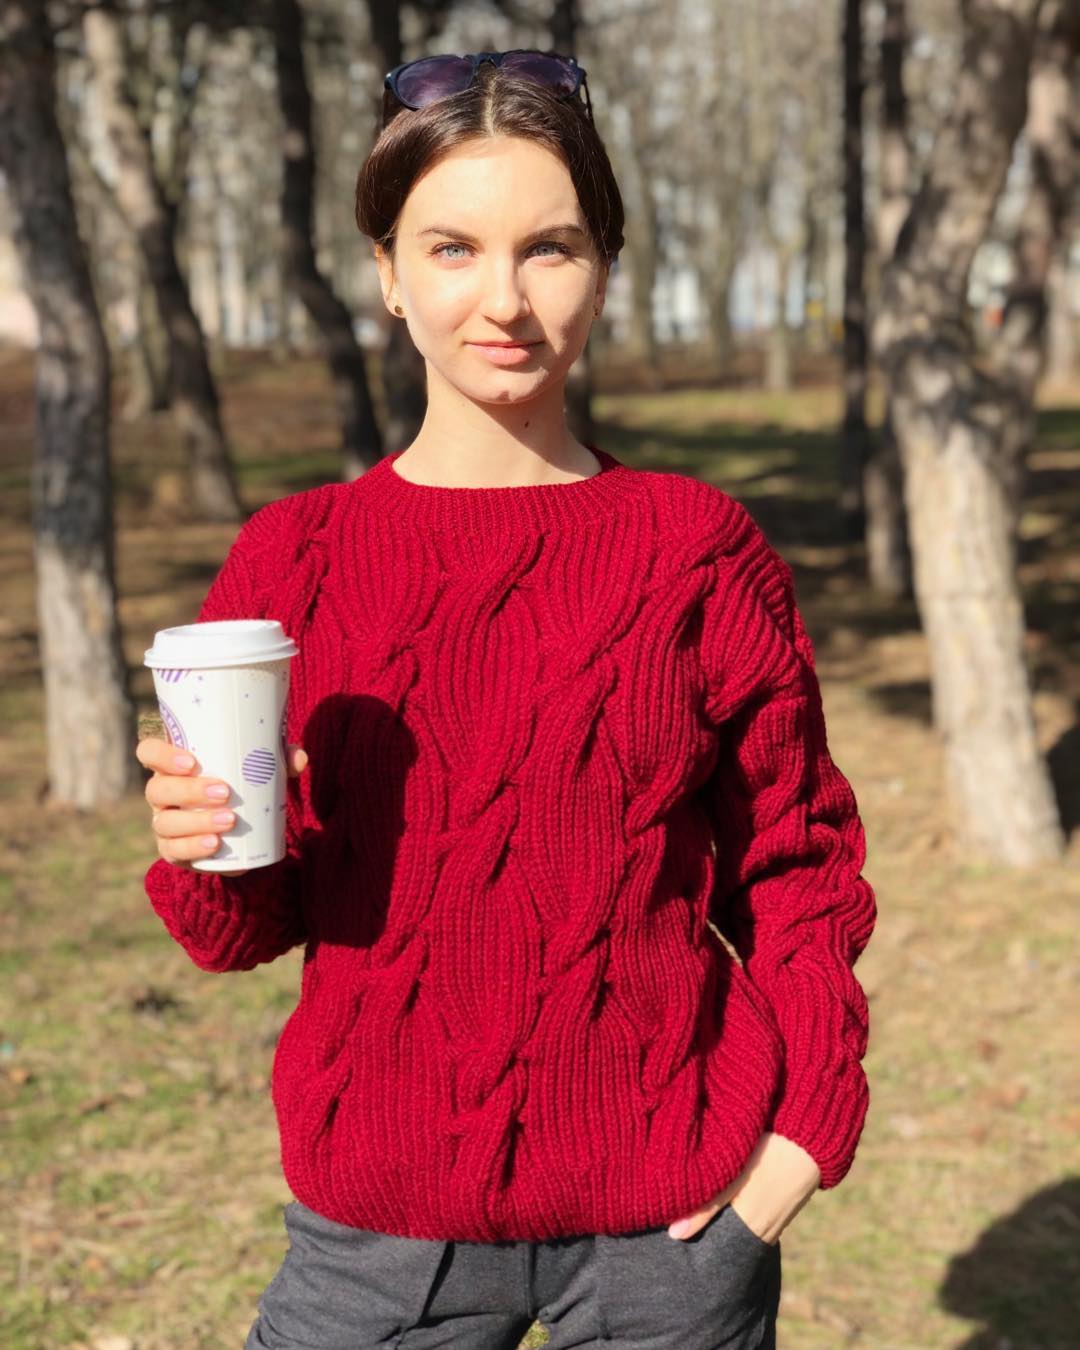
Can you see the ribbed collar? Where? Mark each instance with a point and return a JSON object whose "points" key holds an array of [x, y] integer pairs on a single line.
{"points": [[542, 506]]}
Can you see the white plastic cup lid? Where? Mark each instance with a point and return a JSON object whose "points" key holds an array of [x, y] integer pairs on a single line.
{"points": [[224, 642]]}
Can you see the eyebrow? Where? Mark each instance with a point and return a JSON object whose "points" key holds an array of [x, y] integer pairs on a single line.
{"points": [[545, 233]]}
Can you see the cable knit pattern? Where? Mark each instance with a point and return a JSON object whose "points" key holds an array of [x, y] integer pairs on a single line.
{"points": [[559, 736]]}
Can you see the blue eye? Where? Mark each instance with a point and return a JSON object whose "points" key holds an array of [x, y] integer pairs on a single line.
{"points": [[438, 250]]}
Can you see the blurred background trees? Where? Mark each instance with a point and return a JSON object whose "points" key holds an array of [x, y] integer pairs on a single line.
{"points": [[89, 710], [880, 194]]}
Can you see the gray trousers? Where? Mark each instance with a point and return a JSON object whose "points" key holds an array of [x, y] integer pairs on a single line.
{"points": [[344, 1288]]}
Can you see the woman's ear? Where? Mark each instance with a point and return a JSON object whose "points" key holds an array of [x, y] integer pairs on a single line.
{"points": [[386, 277], [601, 290]]}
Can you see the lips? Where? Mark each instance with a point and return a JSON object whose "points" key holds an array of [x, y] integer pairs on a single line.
{"points": [[506, 353]]}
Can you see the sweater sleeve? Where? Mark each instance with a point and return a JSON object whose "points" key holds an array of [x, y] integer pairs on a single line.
{"points": [[234, 923], [788, 891]]}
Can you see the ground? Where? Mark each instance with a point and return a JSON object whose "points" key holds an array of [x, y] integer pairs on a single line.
{"points": [[140, 1171]]}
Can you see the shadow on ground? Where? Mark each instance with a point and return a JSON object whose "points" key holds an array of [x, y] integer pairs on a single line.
{"points": [[1021, 1280]]}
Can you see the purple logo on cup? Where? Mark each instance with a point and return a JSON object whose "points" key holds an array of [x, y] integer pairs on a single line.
{"points": [[259, 766], [172, 726], [172, 676]]}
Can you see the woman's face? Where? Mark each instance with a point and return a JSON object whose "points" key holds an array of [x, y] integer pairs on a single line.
{"points": [[492, 247]]}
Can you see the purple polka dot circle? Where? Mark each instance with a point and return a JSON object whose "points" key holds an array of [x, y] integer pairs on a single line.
{"points": [[259, 766]]}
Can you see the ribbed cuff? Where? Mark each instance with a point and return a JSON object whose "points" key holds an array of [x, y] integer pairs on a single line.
{"points": [[223, 923], [824, 1102]]}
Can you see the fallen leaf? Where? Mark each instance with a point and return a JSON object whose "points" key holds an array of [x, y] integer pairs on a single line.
{"points": [[93, 1104]]}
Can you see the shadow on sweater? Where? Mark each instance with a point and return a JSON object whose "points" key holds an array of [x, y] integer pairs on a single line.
{"points": [[360, 752]]}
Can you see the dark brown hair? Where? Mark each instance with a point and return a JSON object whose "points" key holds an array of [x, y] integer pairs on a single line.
{"points": [[413, 140]]}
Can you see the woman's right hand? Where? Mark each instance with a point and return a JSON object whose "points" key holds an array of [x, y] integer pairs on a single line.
{"points": [[187, 816]]}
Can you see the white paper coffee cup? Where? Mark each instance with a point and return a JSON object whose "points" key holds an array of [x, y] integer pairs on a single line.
{"points": [[222, 689]]}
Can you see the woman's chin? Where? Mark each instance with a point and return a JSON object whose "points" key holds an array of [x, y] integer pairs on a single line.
{"points": [[508, 388]]}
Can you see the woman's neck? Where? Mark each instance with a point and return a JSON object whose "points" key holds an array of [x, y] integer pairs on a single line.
{"points": [[467, 444], [475, 467]]}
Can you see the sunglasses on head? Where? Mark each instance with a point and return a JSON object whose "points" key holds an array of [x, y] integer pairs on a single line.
{"points": [[418, 83]]}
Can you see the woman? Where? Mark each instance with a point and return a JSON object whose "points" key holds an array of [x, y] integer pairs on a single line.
{"points": [[562, 714]]}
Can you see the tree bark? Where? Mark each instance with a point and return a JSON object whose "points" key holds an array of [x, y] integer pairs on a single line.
{"points": [[855, 437], [565, 20], [403, 369], [888, 555], [1018, 354], [720, 174], [89, 712], [895, 151], [192, 393], [1061, 334], [815, 256], [778, 376], [144, 362], [643, 247], [956, 426], [360, 440], [716, 290], [148, 358]]}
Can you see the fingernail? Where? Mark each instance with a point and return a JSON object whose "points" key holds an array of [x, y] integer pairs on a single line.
{"points": [[222, 817], [679, 1230], [183, 762], [218, 790], [209, 841]]}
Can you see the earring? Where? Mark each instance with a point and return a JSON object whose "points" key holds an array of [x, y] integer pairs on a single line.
{"points": [[398, 309]]}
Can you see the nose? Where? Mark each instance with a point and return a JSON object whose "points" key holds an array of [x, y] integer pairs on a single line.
{"points": [[504, 292]]}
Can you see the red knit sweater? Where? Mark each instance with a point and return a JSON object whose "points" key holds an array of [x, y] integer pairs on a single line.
{"points": [[553, 730]]}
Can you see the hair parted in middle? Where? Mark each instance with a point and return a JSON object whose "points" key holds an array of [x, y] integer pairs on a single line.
{"points": [[413, 140]]}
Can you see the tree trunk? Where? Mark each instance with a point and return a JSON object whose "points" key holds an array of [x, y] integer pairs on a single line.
{"points": [[360, 441], [855, 437], [895, 153], [716, 288], [192, 394], [641, 245], [404, 371], [282, 347], [778, 343], [565, 19], [642, 248], [564, 35], [89, 713], [144, 362], [148, 358], [815, 255], [1018, 354], [720, 171], [1061, 337], [888, 555], [956, 426]]}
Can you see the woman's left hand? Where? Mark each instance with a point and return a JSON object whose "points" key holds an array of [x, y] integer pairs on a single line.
{"points": [[778, 1180]]}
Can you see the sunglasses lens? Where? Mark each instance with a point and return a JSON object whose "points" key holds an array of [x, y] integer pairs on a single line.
{"points": [[432, 78], [548, 70], [435, 77]]}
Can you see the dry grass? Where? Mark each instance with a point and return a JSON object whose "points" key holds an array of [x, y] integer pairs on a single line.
{"points": [[140, 1171]]}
